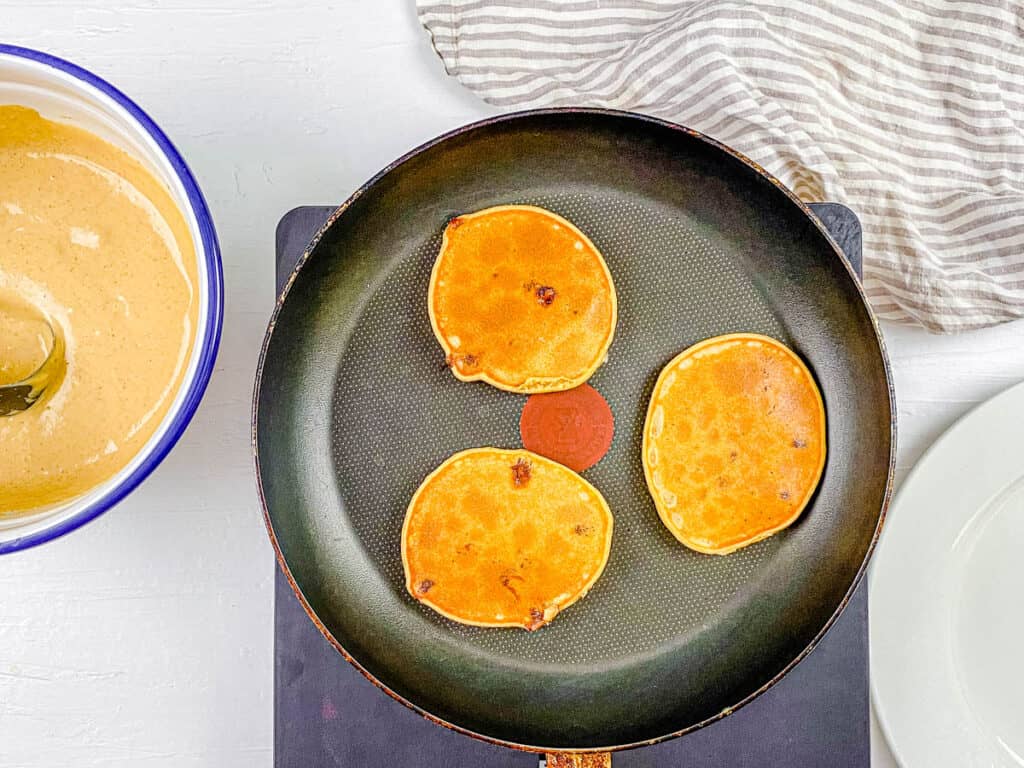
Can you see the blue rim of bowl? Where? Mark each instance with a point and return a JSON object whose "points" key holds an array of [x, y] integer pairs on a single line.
{"points": [[214, 312]]}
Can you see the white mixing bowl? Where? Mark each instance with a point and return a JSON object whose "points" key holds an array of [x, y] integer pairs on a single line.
{"points": [[61, 91]]}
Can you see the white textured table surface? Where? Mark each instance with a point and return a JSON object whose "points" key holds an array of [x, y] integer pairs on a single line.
{"points": [[146, 637]]}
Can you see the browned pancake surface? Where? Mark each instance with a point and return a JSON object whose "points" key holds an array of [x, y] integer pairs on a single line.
{"points": [[521, 299], [734, 442], [502, 538]]}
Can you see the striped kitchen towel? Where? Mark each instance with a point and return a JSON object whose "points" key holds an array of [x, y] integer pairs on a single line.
{"points": [[909, 111]]}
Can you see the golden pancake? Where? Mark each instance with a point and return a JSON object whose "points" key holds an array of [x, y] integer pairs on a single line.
{"points": [[504, 538], [734, 442], [521, 299]]}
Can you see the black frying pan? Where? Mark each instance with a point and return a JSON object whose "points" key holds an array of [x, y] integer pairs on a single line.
{"points": [[354, 406]]}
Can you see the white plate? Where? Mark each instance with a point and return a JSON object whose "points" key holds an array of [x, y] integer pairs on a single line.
{"points": [[947, 599]]}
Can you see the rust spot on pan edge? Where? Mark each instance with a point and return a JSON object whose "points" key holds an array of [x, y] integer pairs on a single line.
{"points": [[611, 113]]}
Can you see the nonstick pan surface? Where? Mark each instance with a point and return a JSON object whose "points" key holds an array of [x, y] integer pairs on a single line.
{"points": [[355, 406]]}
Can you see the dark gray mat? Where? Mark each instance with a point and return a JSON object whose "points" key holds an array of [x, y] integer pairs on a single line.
{"points": [[326, 714]]}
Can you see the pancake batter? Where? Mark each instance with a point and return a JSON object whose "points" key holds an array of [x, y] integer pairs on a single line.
{"points": [[94, 242]]}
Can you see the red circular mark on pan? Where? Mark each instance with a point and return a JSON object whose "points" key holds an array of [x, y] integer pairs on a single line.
{"points": [[574, 427]]}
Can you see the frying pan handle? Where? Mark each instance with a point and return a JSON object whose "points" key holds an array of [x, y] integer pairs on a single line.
{"points": [[578, 760]]}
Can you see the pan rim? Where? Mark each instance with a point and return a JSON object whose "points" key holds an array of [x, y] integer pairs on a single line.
{"points": [[648, 120]]}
